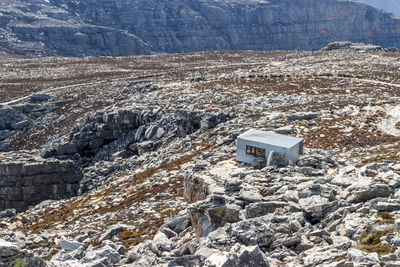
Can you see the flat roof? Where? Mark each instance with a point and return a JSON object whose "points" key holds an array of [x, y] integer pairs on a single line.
{"points": [[270, 138]]}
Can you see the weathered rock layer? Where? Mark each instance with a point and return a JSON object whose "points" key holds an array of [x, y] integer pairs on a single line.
{"points": [[26, 179]]}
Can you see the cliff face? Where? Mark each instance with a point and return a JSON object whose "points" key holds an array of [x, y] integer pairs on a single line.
{"points": [[119, 27], [37, 27], [176, 26]]}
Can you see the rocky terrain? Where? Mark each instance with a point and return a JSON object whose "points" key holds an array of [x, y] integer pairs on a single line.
{"points": [[134, 158], [121, 28]]}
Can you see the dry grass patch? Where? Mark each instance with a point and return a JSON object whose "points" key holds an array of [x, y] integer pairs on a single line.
{"points": [[330, 134], [385, 218], [380, 154], [371, 242]]}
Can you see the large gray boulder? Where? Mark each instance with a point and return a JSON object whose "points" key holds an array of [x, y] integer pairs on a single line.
{"points": [[387, 206], [105, 252], [8, 249], [259, 231], [68, 245], [239, 256], [39, 97], [262, 208], [359, 257], [277, 159], [364, 193], [316, 207], [178, 223], [212, 213]]}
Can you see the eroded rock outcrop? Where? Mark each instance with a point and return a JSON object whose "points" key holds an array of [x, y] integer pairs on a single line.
{"points": [[26, 179], [102, 127], [189, 122], [196, 187], [138, 130], [212, 213], [38, 111]]}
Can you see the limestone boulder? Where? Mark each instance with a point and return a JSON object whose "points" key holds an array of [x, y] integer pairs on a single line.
{"points": [[277, 159], [316, 207], [262, 208], [364, 193], [212, 213], [239, 256]]}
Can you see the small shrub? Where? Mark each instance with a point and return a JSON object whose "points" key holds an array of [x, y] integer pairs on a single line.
{"points": [[128, 234], [166, 211], [340, 258], [378, 248], [34, 246], [385, 215]]}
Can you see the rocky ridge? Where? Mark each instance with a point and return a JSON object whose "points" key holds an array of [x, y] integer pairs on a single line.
{"points": [[160, 184], [120, 28]]}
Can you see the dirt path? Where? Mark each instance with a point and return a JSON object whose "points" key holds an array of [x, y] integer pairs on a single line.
{"points": [[61, 88], [377, 82]]}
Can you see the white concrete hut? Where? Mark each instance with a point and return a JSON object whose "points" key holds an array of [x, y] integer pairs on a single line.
{"points": [[255, 144]]}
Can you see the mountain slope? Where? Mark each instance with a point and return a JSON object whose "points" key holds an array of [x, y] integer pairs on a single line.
{"points": [[103, 27]]}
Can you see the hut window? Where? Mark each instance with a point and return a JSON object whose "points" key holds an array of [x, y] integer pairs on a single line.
{"points": [[255, 151]]}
